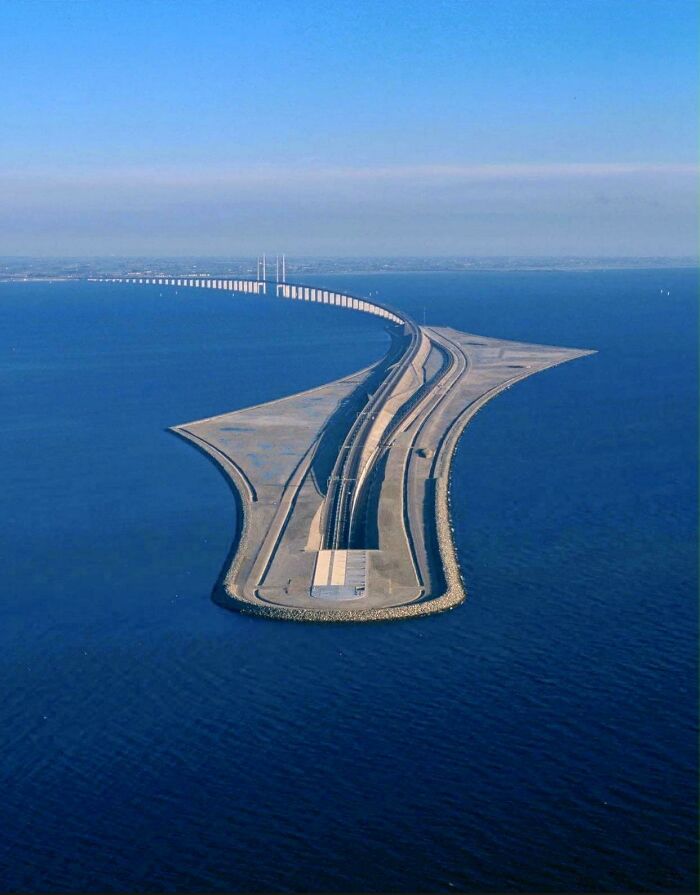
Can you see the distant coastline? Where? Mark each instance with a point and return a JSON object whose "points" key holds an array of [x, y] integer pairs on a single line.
{"points": [[26, 269]]}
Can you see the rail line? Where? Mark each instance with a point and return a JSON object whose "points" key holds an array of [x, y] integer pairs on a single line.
{"points": [[339, 499]]}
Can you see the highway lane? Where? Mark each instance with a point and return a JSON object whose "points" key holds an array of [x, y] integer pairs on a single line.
{"points": [[401, 420], [339, 500]]}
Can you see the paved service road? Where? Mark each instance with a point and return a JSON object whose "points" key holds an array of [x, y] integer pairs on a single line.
{"points": [[372, 540]]}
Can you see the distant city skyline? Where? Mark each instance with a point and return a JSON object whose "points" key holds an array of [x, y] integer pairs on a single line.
{"points": [[394, 128]]}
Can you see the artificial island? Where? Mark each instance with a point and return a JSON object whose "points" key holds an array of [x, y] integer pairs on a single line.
{"points": [[343, 491]]}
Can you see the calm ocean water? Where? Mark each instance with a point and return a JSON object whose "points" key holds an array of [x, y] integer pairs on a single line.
{"points": [[542, 737]]}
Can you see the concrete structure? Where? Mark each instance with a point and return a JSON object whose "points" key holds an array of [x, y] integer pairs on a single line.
{"points": [[344, 489], [260, 286]]}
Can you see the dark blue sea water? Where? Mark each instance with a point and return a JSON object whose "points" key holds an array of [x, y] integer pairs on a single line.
{"points": [[542, 737]]}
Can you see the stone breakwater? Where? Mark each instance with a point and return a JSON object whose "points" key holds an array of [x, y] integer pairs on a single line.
{"points": [[343, 492], [276, 454], [228, 595]]}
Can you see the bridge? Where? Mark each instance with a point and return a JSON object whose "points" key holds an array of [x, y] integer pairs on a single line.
{"points": [[344, 490], [260, 287]]}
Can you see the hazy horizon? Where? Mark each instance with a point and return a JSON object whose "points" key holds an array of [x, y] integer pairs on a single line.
{"points": [[689, 260], [460, 129]]}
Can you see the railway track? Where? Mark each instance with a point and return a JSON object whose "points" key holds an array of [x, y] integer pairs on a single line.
{"points": [[430, 392], [339, 499]]}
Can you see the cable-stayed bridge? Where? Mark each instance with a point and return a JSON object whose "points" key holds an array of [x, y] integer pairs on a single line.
{"points": [[295, 292]]}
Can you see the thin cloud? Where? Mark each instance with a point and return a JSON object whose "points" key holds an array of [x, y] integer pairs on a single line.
{"points": [[584, 208], [291, 175]]}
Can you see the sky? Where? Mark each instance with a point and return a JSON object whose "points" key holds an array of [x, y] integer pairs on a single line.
{"points": [[478, 127]]}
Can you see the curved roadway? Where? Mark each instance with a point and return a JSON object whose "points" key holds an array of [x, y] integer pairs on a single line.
{"points": [[340, 505]]}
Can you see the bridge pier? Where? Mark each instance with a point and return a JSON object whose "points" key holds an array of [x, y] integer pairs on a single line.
{"points": [[259, 287]]}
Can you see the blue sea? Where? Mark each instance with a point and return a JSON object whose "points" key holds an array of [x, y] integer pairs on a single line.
{"points": [[541, 737]]}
